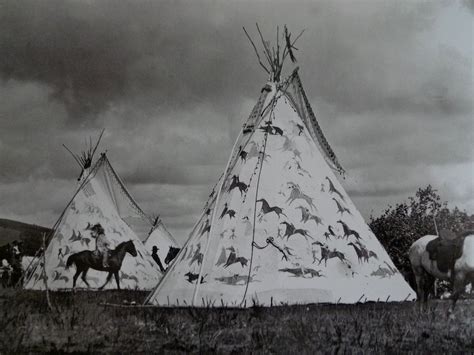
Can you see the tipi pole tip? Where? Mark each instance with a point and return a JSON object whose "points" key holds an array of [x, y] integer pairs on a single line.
{"points": [[266, 49], [256, 52], [73, 155], [97, 144]]}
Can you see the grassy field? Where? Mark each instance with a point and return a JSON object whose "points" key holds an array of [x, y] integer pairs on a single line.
{"points": [[79, 323]]}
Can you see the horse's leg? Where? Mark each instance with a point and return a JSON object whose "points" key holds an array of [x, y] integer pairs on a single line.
{"points": [[428, 286], [109, 276], [74, 279], [83, 277], [117, 279], [435, 288], [419, 272], [459, 282]]}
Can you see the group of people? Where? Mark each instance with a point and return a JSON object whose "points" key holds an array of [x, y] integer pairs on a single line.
{"points": [[10, 267]]}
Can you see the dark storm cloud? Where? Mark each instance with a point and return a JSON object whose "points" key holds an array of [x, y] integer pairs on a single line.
{"points": [[402, 138], [95, 53], [172, 54]]}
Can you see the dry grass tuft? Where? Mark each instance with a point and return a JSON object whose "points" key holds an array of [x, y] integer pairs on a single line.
{"points": [[79, 323]]}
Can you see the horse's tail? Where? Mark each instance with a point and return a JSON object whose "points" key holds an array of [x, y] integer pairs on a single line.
{"points": [[71, 260]]}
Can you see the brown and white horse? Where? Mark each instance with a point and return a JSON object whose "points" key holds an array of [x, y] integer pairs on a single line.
{"points": [[426, 269]]}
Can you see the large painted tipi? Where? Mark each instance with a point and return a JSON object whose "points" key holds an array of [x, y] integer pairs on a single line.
{"points": [[101, 197], [279, 227]]}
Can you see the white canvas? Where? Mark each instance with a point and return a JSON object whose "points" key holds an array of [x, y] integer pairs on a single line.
{"points": [[95, 202], [306, 243]]}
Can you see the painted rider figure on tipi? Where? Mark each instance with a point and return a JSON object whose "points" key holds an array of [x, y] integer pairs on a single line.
{"points": [[102, 244]]}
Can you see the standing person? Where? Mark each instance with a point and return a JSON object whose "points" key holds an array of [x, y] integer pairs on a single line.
{"points": [[154, 255], [5, 272], [102, 244], [16, 253]]}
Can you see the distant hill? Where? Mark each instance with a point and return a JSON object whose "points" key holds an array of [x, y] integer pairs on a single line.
{"points": [[30, 234]]}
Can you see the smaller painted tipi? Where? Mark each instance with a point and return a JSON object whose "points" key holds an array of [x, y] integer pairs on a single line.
{"points": [[101, 198]]}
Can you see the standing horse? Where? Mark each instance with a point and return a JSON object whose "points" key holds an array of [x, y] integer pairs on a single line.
{"points": [[432, 257], [172, 252], [87, 259]]}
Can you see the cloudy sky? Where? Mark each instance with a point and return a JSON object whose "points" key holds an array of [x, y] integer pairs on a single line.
{"points": [[171, 81]]}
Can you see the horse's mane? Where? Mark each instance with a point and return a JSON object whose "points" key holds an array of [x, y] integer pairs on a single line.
{"points": [[172, 253], [120, 246]]}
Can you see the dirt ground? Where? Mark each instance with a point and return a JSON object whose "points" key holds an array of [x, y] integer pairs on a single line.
{"points": [[78, 322]]}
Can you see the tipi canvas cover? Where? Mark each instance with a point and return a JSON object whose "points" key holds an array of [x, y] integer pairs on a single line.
{"points": [[100, 198], [162, 239], [279, 228]]}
